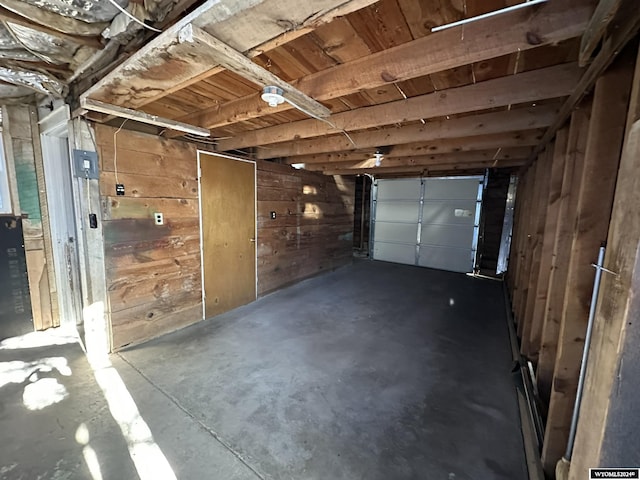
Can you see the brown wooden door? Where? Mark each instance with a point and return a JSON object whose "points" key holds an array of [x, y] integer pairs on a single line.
{"points": [[228, 232]]}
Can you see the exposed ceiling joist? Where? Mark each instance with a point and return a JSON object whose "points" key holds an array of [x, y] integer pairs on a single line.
{"points": [[552, 82], [236, 62], [626, 25], [512, 32], [481, 124], [494, 155], [507, 140], [426, 170], [605, 11], [143, 117], [160, 68]]}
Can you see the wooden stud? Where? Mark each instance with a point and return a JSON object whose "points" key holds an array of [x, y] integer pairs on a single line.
{"points": [[531, 342], [602, 156], [572, 175]]}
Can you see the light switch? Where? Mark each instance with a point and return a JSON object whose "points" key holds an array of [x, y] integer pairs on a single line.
{"points": [[159, 218]]}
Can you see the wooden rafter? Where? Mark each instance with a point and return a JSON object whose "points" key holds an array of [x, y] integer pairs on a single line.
{"points": [[425, 170], [236, 62], [605, 11], [441, 146], [481, 124], [552, 82], [627, 24], [553, 22]]}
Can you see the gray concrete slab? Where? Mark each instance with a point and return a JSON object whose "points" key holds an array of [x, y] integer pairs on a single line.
{"points": [[375, 371]]}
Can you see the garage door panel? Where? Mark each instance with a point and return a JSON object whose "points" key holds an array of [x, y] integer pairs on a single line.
{"points": [[442, 211], [406, 212], [445, 258], [458, 212], [447, 235], [395, 252], [447, 188], [407, 189], [396, 232]]}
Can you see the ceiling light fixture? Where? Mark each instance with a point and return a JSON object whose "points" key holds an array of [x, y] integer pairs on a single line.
{"points": [[272, 95]]}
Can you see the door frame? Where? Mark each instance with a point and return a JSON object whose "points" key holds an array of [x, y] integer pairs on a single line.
{"points": [[255, 219], [54, 135]]}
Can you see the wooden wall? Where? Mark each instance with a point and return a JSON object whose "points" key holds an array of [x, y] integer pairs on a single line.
{"points": [[24, 159], [562, 217], [153, 272], [313, 229]]}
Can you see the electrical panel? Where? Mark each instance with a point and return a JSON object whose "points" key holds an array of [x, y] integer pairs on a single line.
{"points": [[85, 164]]}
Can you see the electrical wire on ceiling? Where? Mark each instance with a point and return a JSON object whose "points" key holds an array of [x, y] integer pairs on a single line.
{"points": [[135, 19]]}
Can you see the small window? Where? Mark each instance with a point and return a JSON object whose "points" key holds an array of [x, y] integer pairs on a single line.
{"points": [[5, 199]]}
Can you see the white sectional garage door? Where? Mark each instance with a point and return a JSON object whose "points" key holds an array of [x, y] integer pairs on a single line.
{"points": [[430, 222]]}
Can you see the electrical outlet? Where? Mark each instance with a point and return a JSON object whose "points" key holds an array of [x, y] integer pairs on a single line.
{"points": [[273, 215], [159, 218]]}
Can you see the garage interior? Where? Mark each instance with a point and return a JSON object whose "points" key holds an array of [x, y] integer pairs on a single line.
{"points": [[348, 239]]}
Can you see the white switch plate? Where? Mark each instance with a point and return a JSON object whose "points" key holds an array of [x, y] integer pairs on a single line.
{"points": [[159, 218]]}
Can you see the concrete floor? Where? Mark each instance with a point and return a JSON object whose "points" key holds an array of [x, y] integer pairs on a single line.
{"points": [[375, 371]]}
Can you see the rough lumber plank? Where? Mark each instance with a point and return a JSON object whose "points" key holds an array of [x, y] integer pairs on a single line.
{"points": [[572, 176], [115, 208], [476, 125], [617, 313], [491, 157], [138, 324], [548, 241], [236, 62], [602, 157], [436, 147], [624, 27], [159, 68], [536, 254], [427, 170], [547, 83], [596, 29], [150, 185], [500, 35]]}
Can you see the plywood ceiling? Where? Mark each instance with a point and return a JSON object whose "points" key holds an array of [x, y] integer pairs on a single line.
{"points": [[459, 100]]}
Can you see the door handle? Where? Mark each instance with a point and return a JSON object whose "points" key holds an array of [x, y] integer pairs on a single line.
{"points": [[252, 240]]}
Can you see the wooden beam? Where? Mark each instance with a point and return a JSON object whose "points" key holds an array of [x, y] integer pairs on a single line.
{"points": [[426, 170], [143, 117], [546, 83], [159, 68], [501, 35], [491, 157], [53, 20], [475, 125], [9, 16], [624, 27], [596, 29], [538, 232], [572, 175], [447, 145], [531, 342], [616, 323], [236, 62], [602, 156]]}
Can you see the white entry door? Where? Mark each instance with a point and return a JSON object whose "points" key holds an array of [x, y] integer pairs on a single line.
{"points": [[429, 222]]}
